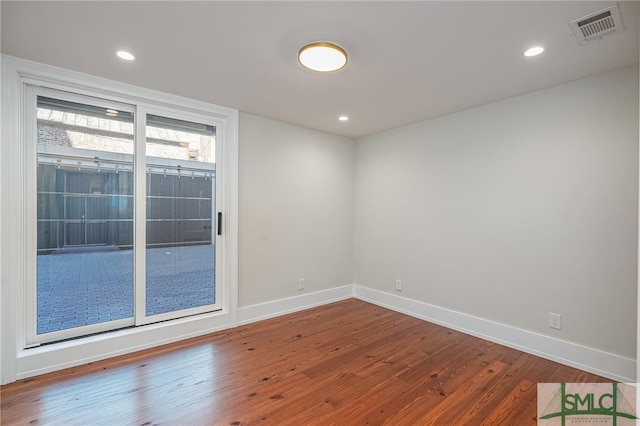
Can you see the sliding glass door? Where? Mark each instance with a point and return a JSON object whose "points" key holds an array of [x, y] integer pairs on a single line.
{"points": [[125, 201], [180, 244], [85, 198]]}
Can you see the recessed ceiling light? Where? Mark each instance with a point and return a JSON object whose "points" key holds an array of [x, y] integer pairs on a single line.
{"points": [[343, 118], [534, 51], [322, 56], [111, 112], [127, 56]]}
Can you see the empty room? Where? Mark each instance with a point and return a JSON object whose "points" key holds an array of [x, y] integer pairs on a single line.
{"points": [[319, 213]]}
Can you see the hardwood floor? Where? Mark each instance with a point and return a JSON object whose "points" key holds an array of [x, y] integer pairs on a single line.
{"points": [[347, 363]]}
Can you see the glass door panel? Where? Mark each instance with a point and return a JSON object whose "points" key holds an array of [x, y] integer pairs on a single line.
{"points": [[180, 241], [84, 217]]}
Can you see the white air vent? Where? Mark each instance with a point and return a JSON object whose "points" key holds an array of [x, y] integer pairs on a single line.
{"points": [[597, 25]]}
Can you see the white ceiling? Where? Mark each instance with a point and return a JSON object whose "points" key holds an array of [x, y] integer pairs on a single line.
{"points": [[408, 61]]}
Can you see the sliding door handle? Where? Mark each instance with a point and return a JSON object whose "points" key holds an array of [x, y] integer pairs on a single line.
{"points": [[219, 223]]}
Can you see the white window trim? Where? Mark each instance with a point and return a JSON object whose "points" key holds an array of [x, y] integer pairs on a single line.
{"points": [[16, 362]]}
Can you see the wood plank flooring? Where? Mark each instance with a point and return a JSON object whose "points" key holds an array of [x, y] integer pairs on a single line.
{"points": [[347, 363]]}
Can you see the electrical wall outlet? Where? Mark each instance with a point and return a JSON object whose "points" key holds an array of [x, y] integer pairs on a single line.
{"points": [[555, 321], [398, 285], [301, 284]]}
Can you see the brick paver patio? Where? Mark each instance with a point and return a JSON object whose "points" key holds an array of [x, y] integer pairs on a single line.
{"points": [[76, 289]]}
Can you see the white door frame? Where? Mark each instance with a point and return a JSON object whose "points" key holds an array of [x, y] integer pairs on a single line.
{"points": [[18, 362]]}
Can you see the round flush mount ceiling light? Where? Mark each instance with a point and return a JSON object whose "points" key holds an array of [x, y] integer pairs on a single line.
{"points": [[127, 56], [343, 118], [534, 51], [322, 56]]}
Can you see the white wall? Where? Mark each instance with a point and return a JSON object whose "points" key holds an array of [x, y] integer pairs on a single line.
{"points": [[512, 210], [295, 210]]}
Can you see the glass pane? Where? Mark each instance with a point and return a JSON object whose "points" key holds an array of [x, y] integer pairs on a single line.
{"points": [[180, 203], [85, 215]]}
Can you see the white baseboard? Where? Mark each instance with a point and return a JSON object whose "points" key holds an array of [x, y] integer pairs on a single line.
{"points": [[55, 357], [602, 363], [48, 358], [261, 311]]}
